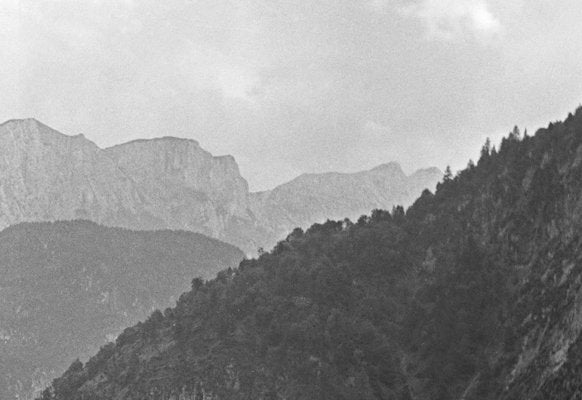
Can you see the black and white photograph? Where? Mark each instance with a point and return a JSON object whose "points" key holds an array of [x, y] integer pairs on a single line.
{"points": [[290, 200]]}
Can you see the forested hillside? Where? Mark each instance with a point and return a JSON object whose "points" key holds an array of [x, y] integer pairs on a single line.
{"points": [[67, 288], [474, 292]]}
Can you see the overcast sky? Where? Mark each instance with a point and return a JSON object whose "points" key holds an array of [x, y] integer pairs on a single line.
{"points": [[289, 86]]}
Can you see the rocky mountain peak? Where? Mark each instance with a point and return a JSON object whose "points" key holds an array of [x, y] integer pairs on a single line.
{"points": [[145, 184], [171, 182], [317, 197], [428, 171], [391, 168], [34, 137], [158, 141], [28, 122]]}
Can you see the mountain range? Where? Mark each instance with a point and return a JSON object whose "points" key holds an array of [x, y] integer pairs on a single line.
{"points": [[312, 198], [172, 183], [472, 293]]}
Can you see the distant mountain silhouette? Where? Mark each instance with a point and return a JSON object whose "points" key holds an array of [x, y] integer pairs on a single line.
{"points": [[67, 288], [172, 183], [312, 198]]}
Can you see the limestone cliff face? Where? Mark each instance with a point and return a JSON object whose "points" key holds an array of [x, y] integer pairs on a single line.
{"points": [[45, 175], [171, 183], [187, 187], [164, 183]]}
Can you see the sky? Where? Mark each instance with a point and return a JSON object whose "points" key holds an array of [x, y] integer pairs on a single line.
{"points": [[289, 86]]}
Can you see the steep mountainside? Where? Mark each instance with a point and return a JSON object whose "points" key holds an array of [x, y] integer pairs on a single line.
{"points": [[171, 183], [473, 293], [166, 183], [187, 187], [67, 288], [314, 198], [45, 175]]}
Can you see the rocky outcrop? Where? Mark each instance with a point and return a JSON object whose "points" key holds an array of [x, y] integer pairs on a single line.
{"points": [[186, 187], [45, 175], [171, 183], [165, 183]]}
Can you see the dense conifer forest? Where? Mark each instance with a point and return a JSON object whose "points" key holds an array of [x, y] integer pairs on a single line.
{"points": [[471, 293]]}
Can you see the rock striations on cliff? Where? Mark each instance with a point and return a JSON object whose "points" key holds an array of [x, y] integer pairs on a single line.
{"points": [[172, 183], [165, 183], [186, 187], [45, 175]]}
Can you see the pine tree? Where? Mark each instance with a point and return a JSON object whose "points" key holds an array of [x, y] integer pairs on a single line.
{"points": [[515, 134], [486, 149], [448, 174]]}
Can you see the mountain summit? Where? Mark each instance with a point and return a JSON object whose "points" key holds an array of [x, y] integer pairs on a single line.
{"points": [[313, 198], [145, 184], [172, 183]]}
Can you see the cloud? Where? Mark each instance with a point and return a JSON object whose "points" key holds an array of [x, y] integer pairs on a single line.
{"points": [[308, 86], [453, 19], [377, 5], [236, 82], [207, 68], [374, 144]]}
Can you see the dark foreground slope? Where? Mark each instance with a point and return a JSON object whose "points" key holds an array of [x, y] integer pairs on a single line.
{"points": [[474, 293], [66, 288]]}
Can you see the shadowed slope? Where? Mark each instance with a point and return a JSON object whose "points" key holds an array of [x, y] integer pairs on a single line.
{"points": [[67, 288]]}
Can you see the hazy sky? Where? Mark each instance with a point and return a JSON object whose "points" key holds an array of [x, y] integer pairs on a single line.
{"points": [[290, 86]]}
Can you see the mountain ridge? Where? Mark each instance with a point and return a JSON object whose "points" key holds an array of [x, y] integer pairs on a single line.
{"points": [[165, 183], [393, 165]]}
